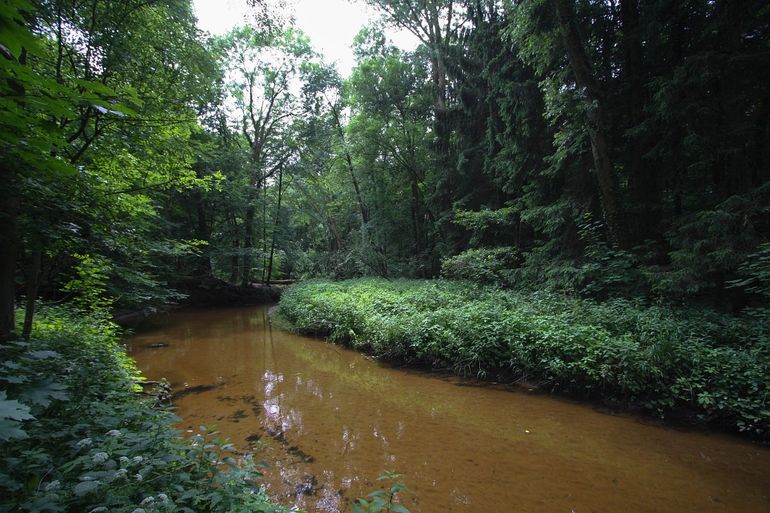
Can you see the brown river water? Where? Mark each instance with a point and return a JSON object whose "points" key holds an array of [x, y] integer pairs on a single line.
{"points": [[329, 421]]}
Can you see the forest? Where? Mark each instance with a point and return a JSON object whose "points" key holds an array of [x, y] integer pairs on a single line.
{"points": [[575, 191], [596, 148]]}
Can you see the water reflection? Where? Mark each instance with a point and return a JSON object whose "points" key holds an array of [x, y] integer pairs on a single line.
{"points": [[331, 421]]}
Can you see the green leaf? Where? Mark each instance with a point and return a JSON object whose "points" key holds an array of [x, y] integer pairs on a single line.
{"points": [[13, 34], [398, 487], [378, 504], [86, 487], [41, 355], [11, 430], [96, 87], [43, 394], [14, 410], [15, 379]]}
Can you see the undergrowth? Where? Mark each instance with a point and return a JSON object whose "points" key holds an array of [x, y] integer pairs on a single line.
{"points": [[76, 434], [714, 367]]}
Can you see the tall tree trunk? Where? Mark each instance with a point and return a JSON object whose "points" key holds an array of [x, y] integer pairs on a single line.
{"points": [[9, 211], [439, 45], [642, 180], [264, 231], [203, 232], [441, 119], [732, 130], [335, 240], [676, 167], [760, 134], [33, 285], [236, 247], [275, 226], [234, 260], [9, 205], [234, 270], [349, 161], [416, 215], [584, 78], [248, 243]]}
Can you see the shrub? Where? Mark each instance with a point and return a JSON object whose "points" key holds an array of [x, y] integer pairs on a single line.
{"points": [[75, 435], [661, 358], [490, 266]]}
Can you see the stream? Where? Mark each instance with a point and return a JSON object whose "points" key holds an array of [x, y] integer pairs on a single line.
{"points": [[329, 421]]}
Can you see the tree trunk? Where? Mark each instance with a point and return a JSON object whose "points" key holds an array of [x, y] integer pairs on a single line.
{"points": [[9, 211], [439, 104], [676, 137], [9, 205], [584, 78], [203, 232], [416, 215], [234, 261], [236, 247], [732, 131], [33, 284], [275, 226], [441, 117], [248, 243], [348, 159], [642, 180], [264, 231]]}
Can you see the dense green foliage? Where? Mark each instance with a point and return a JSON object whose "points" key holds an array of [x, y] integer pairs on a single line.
{"points": [[609, 161], [76, 434], [482, 265], [714, 366], [603, 167], [619, 147], [98, 114]]}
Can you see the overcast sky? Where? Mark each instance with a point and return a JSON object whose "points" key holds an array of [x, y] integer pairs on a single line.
{"points": [[330, 24]]}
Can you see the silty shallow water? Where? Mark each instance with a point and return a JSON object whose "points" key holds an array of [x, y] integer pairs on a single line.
{"points": [[330, 420]]}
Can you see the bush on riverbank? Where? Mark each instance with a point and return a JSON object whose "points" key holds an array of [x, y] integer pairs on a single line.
{"points": [[665, 360], [75, 434]]}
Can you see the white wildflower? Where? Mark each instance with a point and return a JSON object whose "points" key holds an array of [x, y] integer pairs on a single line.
{"points": [[139, 510], [162, 497], [138, 459], [100, 457], [53, 485], [99, 509], [121, 473], [86, 442], [123, 460], [138, 477], [147, 500], [114, 432]]}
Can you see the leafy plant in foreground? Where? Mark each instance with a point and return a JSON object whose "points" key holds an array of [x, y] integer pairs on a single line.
{"points": [[76, 436], [384, 500]]}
